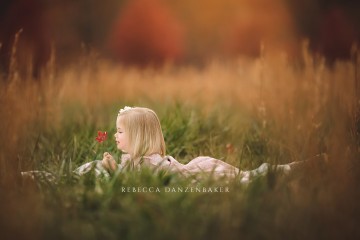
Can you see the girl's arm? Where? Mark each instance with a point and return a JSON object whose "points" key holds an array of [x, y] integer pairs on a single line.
{"points": [[108, 162]]}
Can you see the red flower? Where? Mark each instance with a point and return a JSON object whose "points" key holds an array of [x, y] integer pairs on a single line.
{"points": [[102, 136]]}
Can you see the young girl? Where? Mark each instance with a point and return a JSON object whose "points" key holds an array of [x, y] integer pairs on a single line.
{"points": [[140, 137]]}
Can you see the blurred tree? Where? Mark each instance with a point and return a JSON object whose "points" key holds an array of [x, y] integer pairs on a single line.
{"points": [[33, 47], [261, 22], [80, 26], [330, 25], [146, 32], [336, 35]]}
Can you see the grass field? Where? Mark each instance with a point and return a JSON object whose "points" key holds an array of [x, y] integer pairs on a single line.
{"points": [[244, 112]]}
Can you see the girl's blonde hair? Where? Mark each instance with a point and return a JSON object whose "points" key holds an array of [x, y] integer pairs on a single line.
{"points": [[144, 132]]}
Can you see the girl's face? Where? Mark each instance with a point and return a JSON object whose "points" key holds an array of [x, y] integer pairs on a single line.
{"points": [[121, 137]]}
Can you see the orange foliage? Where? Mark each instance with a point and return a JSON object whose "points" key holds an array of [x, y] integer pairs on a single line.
{"points": [[146, 32]]}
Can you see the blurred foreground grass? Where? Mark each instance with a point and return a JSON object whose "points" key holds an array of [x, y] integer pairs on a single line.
{"points": [[244, 112]]}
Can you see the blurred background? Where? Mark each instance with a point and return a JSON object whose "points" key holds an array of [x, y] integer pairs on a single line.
{"points": [[245, 81], [142, 32]]}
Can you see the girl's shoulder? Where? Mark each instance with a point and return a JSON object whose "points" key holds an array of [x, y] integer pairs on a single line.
{"points": [[154, 158], [160, 161]]}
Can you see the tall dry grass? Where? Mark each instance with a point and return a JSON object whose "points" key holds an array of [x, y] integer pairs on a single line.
{"points": [[297, 100]]}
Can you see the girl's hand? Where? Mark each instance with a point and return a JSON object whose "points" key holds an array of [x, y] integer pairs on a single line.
{"points": [[108, 162]]}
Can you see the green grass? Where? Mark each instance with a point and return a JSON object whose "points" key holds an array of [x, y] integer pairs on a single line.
{"points": [[96, 208]]}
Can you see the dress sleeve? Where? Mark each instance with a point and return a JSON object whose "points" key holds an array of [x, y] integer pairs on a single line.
{"points": [[156, 163]]}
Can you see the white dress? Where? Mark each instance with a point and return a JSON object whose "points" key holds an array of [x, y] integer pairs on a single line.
{"points": [[202, 165]]}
